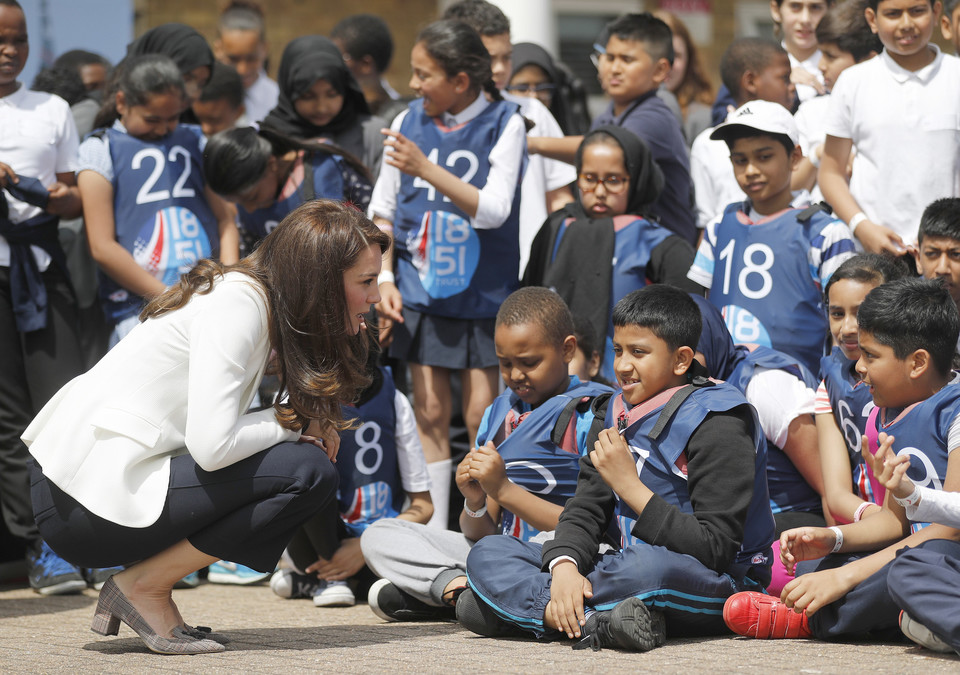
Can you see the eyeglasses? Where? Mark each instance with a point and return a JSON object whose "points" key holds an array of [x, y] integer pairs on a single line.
{"points": [[613, 183], [527, 88]]}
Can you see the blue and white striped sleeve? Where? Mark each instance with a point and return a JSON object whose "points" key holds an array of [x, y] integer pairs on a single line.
{"points": [[830, 248], [702, 269]]}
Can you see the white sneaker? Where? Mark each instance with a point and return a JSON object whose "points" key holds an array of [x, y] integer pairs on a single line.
{"points": [[333, 594], [290, 584], [922, 635]]}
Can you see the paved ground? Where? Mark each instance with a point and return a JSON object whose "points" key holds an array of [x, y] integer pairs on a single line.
{"points": [[272, 635]]}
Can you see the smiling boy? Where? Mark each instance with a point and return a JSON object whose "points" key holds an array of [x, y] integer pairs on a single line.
{"points": [[766, 259], [908, 330], [679, 465]]}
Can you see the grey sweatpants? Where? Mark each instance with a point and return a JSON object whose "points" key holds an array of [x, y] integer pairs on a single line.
{"points": [[417, 559]]}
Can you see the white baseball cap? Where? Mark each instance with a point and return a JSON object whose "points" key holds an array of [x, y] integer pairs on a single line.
{"points": [[765, 116]]}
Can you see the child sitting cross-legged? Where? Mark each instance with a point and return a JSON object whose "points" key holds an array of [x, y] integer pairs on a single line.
{"points": [[908, 331], [516, 479], [679, 465]]}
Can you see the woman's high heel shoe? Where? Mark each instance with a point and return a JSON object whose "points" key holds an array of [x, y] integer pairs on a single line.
{"points": [[113, 607]]}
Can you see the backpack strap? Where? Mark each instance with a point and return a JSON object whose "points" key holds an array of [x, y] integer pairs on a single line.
{"points": [[580, 405], [598, 406], [812, 210], [307, 191]]}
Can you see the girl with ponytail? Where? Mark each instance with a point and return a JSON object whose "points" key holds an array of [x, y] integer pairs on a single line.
{"points": [[449, 191]]}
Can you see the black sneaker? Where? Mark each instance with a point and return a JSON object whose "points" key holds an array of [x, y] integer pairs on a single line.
{"points": [[50, 574], [391, 604], [629, 625], [477, 616]]}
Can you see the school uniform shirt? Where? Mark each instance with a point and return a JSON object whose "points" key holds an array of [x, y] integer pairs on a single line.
{"points": [[906, 128], [38, 139], [260, 97], [542, 174], [810, 119], [650, 119], [714, 182], [811, 64], [766, 274], [178, 383]]}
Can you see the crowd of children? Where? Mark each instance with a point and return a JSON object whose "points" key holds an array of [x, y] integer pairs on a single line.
{"points": [[725, 400]]}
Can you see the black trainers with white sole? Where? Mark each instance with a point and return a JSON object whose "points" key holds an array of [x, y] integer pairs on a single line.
{"points": [[392, 604], [629, 625]]}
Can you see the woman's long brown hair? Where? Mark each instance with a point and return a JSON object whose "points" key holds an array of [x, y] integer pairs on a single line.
{"points": [[299, 267]]}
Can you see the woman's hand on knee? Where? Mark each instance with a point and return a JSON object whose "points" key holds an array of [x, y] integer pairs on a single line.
{"points": [[324, 436]]}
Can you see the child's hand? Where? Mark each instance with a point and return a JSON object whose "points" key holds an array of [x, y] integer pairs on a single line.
{"points": [[805, 543], [390, 311], [811, 592], [7, 175], [567, 591], [347, 561], [612, 458], [487, 468], [801, 75], [879, 238], [468, 486], [63, 200], [888, 468], [324, 437], [404, 154]]}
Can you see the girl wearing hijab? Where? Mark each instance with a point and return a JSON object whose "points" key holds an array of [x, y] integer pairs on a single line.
{"points": [[185, 47], [320, 99], [618, 181], [537, 75]]}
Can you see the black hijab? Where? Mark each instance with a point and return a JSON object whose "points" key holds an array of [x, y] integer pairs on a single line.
{"points": [[646, 179], [306, 60], [188, 49]]}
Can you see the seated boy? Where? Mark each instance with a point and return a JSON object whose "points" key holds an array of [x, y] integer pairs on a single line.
{"points": [[752, 69], [900, 111], [680, 468], [517, 478], [220, 106], [938, 241], [845, 39], [766, 259], [908, 330]]}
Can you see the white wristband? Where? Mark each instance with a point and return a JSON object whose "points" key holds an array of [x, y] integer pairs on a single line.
{"points": [[857, 218], [479, 513], [560, 559], [860, 509], [386, 277], [910, 500], [839, 541]]}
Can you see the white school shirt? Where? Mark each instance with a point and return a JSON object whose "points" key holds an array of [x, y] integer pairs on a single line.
{"points": [[38, 138], [906, 128], [714, 183], [812, 65], [542, 174], [261, 97], [496, 197], [779, 398], [411, 463], [810, 119]]}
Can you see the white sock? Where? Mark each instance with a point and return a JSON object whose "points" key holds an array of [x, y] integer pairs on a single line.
{"points": [[440, 478]]}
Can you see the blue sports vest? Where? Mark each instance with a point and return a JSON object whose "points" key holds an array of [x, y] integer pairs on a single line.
{"points": [[370, 487], [634, 241], [662, 468], [763, 284], [921, 432], [444, 266], [160, 212], [533, 460], [851, 403], [789, 491], [327, 184]]}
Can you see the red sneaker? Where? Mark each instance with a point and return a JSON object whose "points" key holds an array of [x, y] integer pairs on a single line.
{"points": [[763, 616]]}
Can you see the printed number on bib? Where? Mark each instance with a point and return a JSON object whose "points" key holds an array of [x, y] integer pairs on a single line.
{"points": [[147, 194], [452, 162], [368, 440], [919, 462], [754, 280], [744, 327], [532, 469], [446, 252], [170, 243]]}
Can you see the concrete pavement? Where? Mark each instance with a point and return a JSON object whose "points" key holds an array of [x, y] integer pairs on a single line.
{"points": [[273, 635]]}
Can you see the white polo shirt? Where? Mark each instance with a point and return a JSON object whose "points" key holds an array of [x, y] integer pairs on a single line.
{"points": [[714, 183], [38, 138], [260, 98], [812, 65], [906, 128]]}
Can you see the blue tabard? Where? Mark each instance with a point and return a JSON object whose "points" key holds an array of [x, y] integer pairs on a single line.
{"points": [[160, 211], [444, 266], [370, 487], [327, 184], [921, 432], [789, 490], [533, 461], [634, 241], [662, 466], [764, 285], [851, 403]]}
